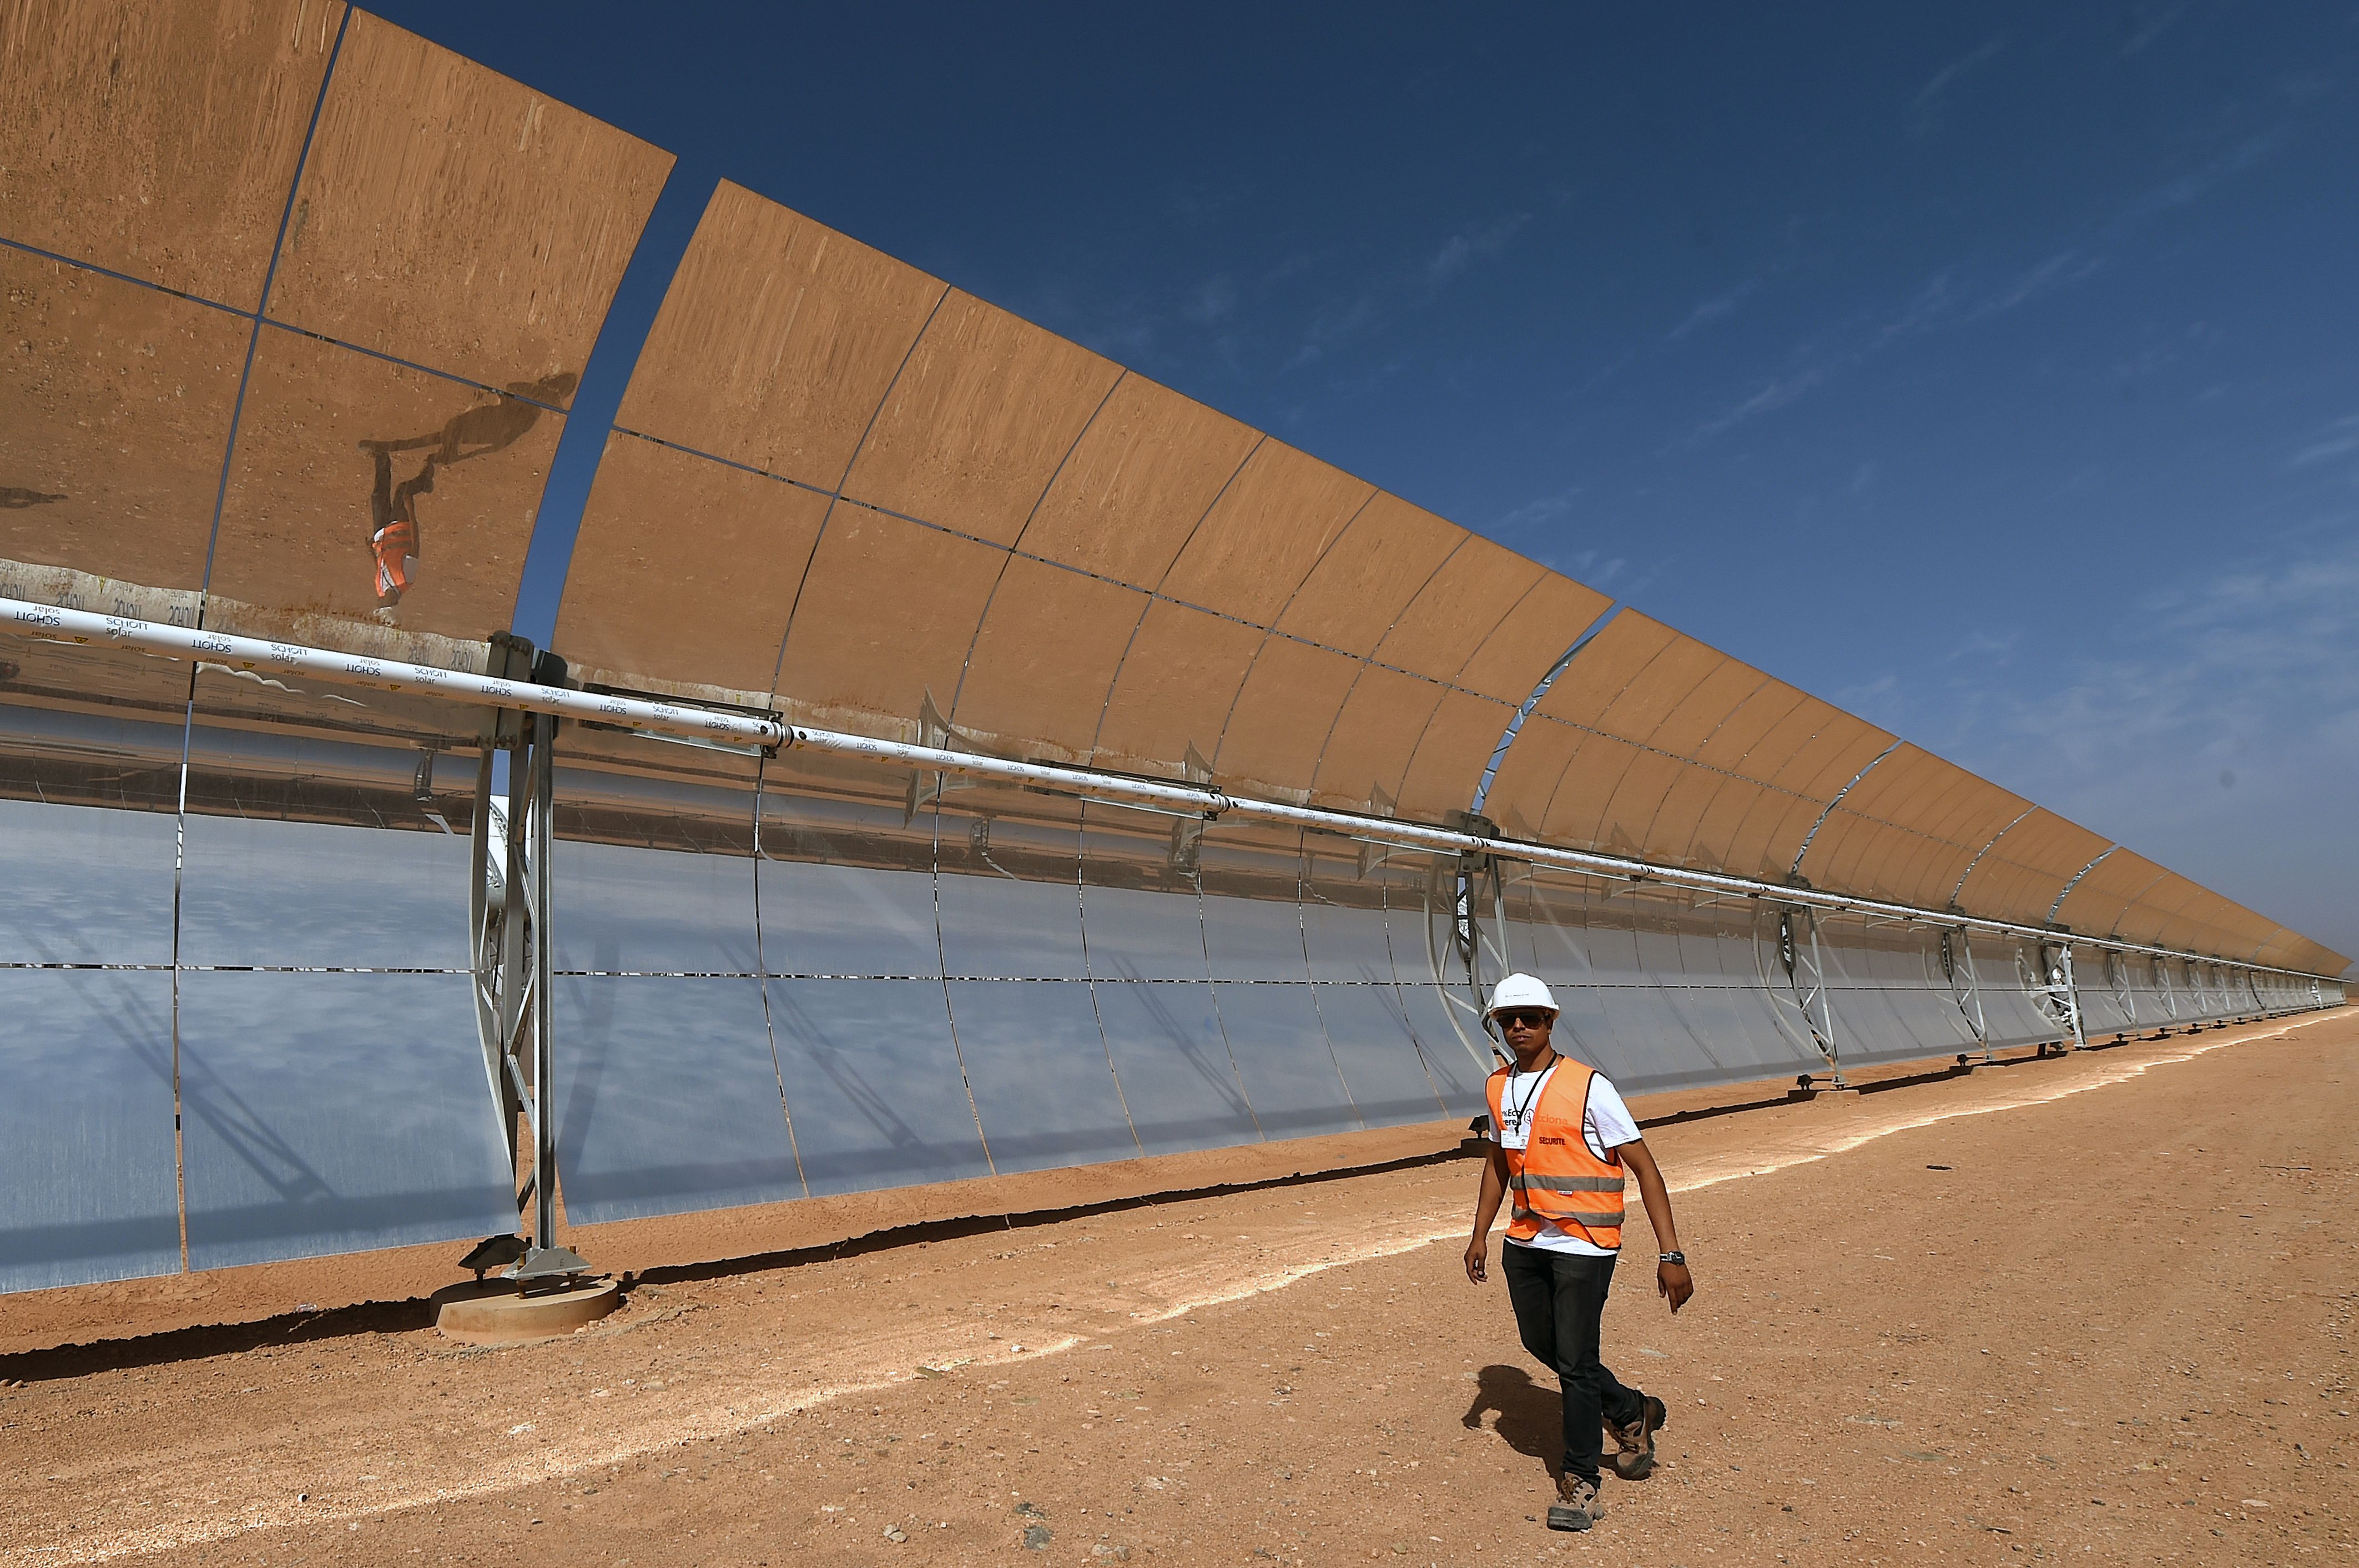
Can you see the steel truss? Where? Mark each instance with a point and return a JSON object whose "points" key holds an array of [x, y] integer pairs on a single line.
{"points": [[1806, 974], [2045, 968], [1965, 985], [508, 918], [2072, 996], [1466, 946], [2118, 977]]}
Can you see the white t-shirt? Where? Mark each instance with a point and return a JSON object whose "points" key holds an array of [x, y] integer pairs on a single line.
{"points": [[1606, 1124]]}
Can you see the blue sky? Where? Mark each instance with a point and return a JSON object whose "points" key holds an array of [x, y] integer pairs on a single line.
{"points": [[1992, 370]]}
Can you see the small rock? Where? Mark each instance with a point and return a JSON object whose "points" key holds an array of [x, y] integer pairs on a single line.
{"points": [[1031, 1510], [1036, 1538], [893, 1533]]}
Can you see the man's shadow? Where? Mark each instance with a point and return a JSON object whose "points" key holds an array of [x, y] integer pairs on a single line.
{"points": [[1531, 1417]]}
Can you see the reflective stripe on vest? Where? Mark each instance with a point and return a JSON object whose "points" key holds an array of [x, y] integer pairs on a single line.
{"points": [[1557, 1178]]}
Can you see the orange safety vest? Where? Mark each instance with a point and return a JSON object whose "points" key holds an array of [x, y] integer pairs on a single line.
{"points": [[1555, 1177]]}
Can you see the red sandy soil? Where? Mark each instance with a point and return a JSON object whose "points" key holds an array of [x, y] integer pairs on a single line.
{"points": [[2096, 1308]]}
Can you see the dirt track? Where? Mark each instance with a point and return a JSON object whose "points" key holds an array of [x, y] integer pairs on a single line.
{"points": [[2113, 1324]]}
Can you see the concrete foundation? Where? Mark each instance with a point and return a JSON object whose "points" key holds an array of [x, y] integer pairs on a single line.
{"points": [[496, 1312]]}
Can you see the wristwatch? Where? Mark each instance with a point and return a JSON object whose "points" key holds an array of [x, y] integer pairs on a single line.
{"points": [[1678, 1258]]}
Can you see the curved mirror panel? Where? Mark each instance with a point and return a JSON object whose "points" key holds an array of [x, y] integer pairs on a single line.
{"points": [[847, 874], [114, 417], [1252, 880], [310, 850], [1458, 1073], [85, 886], [1140, 914], [457, 218], [1280, 1049], [1044, 1087], [1008, 886], [1173, 1061], [667, 1098], [334, 1113], [652, 875], [1376, 1049], [874, 1085], [980, 415], [89, 1190]]}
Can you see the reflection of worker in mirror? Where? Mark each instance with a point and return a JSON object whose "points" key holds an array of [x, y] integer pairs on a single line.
{"points": [[393, 540], [1561, 1138]]}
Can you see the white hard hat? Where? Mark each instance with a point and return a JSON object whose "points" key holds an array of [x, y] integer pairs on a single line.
{"points": [[1521, 991]]}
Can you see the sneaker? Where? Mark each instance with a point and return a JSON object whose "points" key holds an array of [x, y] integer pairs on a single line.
{"points": [[1576, 1505], [1636, 1460], [394, 546]]}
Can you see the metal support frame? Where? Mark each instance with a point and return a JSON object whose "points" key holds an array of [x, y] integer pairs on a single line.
{"points": [[2117, 976], [2054, 990], [1465, 944], [1810, 838], [509, 914], [2072, 999], [1965, 985], [1806, 972]]}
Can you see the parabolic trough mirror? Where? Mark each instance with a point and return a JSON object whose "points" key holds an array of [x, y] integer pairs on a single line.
{"points": [[1184, 793]]}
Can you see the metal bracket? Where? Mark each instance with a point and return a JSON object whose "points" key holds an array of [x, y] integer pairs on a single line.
{"points": [[1965, 985], [2073, 1001], [1373, 855], [1464, 895], [2055, 992], [509, 926], [2118, 977], [1805, 965]]}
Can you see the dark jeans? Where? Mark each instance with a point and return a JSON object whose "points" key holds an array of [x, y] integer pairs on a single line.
{"points": [[1559, 1298]]}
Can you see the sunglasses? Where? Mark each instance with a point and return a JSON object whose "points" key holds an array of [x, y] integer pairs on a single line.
{"points": [[1530, 1017]]}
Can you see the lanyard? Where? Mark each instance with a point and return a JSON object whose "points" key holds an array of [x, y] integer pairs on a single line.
{"points": [[1522, 1113]]}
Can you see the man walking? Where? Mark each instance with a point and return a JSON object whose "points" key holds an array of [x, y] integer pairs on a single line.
{"points": [[1561, 1138]]}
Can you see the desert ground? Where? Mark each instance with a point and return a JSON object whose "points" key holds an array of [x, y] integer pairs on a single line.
{"points": [[2097, 1309]]}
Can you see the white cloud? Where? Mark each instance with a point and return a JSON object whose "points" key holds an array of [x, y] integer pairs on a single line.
{"points": [[2150, 27], [2058, 270], [2250, 670], [1712, 310], [1928, 101], [1461, 251], [2337, 440], [1213, 300], [1868, 695], [1542, 509], [1775, 394]]}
